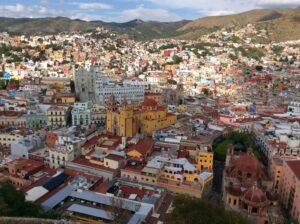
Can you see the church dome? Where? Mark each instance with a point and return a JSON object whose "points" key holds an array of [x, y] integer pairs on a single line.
{"points": [[255, 197]]}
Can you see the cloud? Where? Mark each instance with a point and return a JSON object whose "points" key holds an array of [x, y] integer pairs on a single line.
{"points": [[19, 10], [149, 14], [219, 13], [208, 8], [44, 2], [278, 2], [94, 5]]}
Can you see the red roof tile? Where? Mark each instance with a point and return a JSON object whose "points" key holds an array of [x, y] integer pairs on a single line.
{"points": [[114, 157], [149, 102], [143, 146]]}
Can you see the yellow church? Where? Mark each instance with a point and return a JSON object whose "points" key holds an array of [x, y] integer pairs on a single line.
{"points": [[146, 118]]}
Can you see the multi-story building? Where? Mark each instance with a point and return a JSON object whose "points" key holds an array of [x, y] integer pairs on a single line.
{"points": [[203, 157], [7, 138], [92, 85], [12, 118], [36, 120], [64, 147], [84, 81], [275, 171], [289, 187], [98, 115], [81, 114], [132, 90], [58, 116], [59, 155], [64, 98], [146, 118], [176, 174], [21, 169]]}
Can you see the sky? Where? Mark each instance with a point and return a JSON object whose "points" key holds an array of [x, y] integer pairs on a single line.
{"points": [[126, 10]]}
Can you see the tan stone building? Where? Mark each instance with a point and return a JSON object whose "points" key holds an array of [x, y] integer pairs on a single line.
{"points": [[58, 116]]}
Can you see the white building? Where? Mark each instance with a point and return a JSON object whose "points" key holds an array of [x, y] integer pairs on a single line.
{"points": [[93, 85], [60, 155], [132, 90]]}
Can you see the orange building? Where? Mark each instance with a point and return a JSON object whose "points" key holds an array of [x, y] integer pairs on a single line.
{"points": [[19, 171]]}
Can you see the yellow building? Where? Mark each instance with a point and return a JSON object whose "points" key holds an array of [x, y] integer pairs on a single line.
{"points": [[146, 118], [177, 175], [204, 160], [64, 98]]}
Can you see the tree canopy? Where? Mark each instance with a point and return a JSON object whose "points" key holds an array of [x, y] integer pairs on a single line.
{"points": [[244, 140], [13, 203], [189, 210]]}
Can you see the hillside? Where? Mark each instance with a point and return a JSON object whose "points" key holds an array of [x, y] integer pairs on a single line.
{"points": [[136, 29], [150, 30], [43, 25], [281, 25]]}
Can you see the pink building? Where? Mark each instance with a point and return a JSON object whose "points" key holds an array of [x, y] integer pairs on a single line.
{"points": [[289, 187]]}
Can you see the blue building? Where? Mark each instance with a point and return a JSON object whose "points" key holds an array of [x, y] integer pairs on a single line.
{"points": [[35, 120], [81, 114]]}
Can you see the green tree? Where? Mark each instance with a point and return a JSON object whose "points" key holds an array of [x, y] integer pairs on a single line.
{"points": [[187, 210], [206, 92], [259, 68], [13, 203], [177, 59], [3, 84], [172, 81], [233, 56], [168, 46]]}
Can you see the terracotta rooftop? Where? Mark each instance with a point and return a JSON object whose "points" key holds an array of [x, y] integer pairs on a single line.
{"points": [[27, 164], [149, 102], [143, 146], [114, 157], [279, 145], [92, 141], [128, 190], [9, 113], [153, 94]]}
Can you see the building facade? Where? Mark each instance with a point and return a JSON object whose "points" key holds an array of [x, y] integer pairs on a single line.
{"points": [[128, 121], [247, 188], [289, 187], [98, 115], [81, 114], [92, 85], [58, 116], [35, 120]]}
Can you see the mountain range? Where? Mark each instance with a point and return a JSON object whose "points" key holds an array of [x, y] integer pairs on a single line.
{"points": [[281, 25]]}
